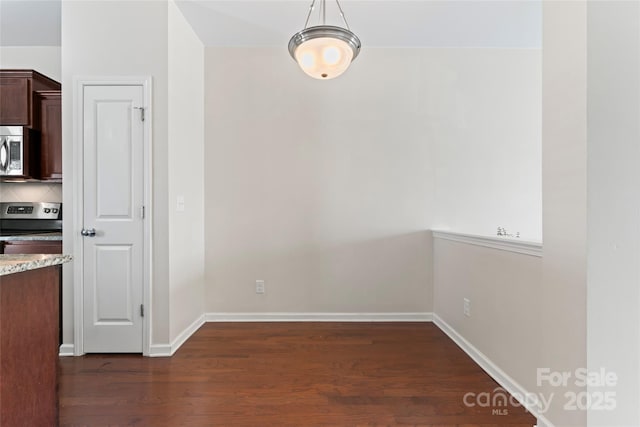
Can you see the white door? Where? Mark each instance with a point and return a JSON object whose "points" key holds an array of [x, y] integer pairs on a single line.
{"points": [[113, 190]]}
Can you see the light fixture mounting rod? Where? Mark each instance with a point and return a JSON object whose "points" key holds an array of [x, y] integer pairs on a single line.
{"points": [[306, 23], [342, 14], [323, 11]]}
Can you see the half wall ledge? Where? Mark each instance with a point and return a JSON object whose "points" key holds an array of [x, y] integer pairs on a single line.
{"points": [[520, 246]]}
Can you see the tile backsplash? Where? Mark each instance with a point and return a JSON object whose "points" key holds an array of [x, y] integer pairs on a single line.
{"points": [[30, 192]]}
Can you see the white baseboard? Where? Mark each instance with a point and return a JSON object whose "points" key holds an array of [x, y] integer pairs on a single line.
{"points": [[184, 335], [168, 350], [505, 381], [318, 317], [159, 350], [67, 350]]}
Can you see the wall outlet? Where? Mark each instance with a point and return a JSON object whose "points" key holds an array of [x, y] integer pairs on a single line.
{"points": [[466, 308], [180, 203], [259, 286]]}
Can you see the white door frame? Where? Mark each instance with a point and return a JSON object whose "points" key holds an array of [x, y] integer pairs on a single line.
{"points": [[79, 84]]}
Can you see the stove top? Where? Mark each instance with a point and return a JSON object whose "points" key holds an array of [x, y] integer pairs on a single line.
{"points": [[21, 218], [30, 210]]}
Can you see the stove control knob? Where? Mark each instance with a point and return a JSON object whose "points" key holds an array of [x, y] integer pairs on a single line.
{"points": [[47, 210]]}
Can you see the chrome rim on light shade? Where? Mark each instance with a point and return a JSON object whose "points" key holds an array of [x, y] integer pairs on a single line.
{"points": [[322, 31]]}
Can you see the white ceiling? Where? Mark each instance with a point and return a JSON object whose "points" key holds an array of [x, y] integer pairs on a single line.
{"points": [[30, 22], [378, 23]]}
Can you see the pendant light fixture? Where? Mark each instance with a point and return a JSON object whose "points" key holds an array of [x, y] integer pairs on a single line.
{"points": [[324, 51]]}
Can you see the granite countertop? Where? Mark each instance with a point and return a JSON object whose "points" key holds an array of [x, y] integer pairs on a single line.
{"points": [[35, 236], [10, 264]]}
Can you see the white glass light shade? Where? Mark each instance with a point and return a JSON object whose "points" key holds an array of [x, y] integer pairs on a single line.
{"points": [[324, 52], [324, 58]]}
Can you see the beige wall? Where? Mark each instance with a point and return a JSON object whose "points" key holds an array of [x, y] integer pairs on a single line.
{"points": [[504, 291], [324, 189], [186, 173], [564, 177], [613, 333], [484, 115], [46, 60]]}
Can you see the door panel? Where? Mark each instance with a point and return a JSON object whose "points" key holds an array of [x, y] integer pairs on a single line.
{"points": [[114, 192], [113, 299], [113, 198]]}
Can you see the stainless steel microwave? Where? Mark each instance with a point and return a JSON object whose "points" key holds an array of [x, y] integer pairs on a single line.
{"points": [[15, 147]]}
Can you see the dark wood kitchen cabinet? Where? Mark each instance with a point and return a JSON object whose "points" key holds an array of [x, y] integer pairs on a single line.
{"points": [[29, 313], [16, 99], [13, 247], [49, 112]]}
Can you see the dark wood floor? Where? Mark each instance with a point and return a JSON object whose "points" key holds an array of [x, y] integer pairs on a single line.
{"points": [[286, 374]]}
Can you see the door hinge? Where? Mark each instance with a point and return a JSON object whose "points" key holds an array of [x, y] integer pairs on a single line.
{"points": [[141, 112], [142, 212], [141, 310]]}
